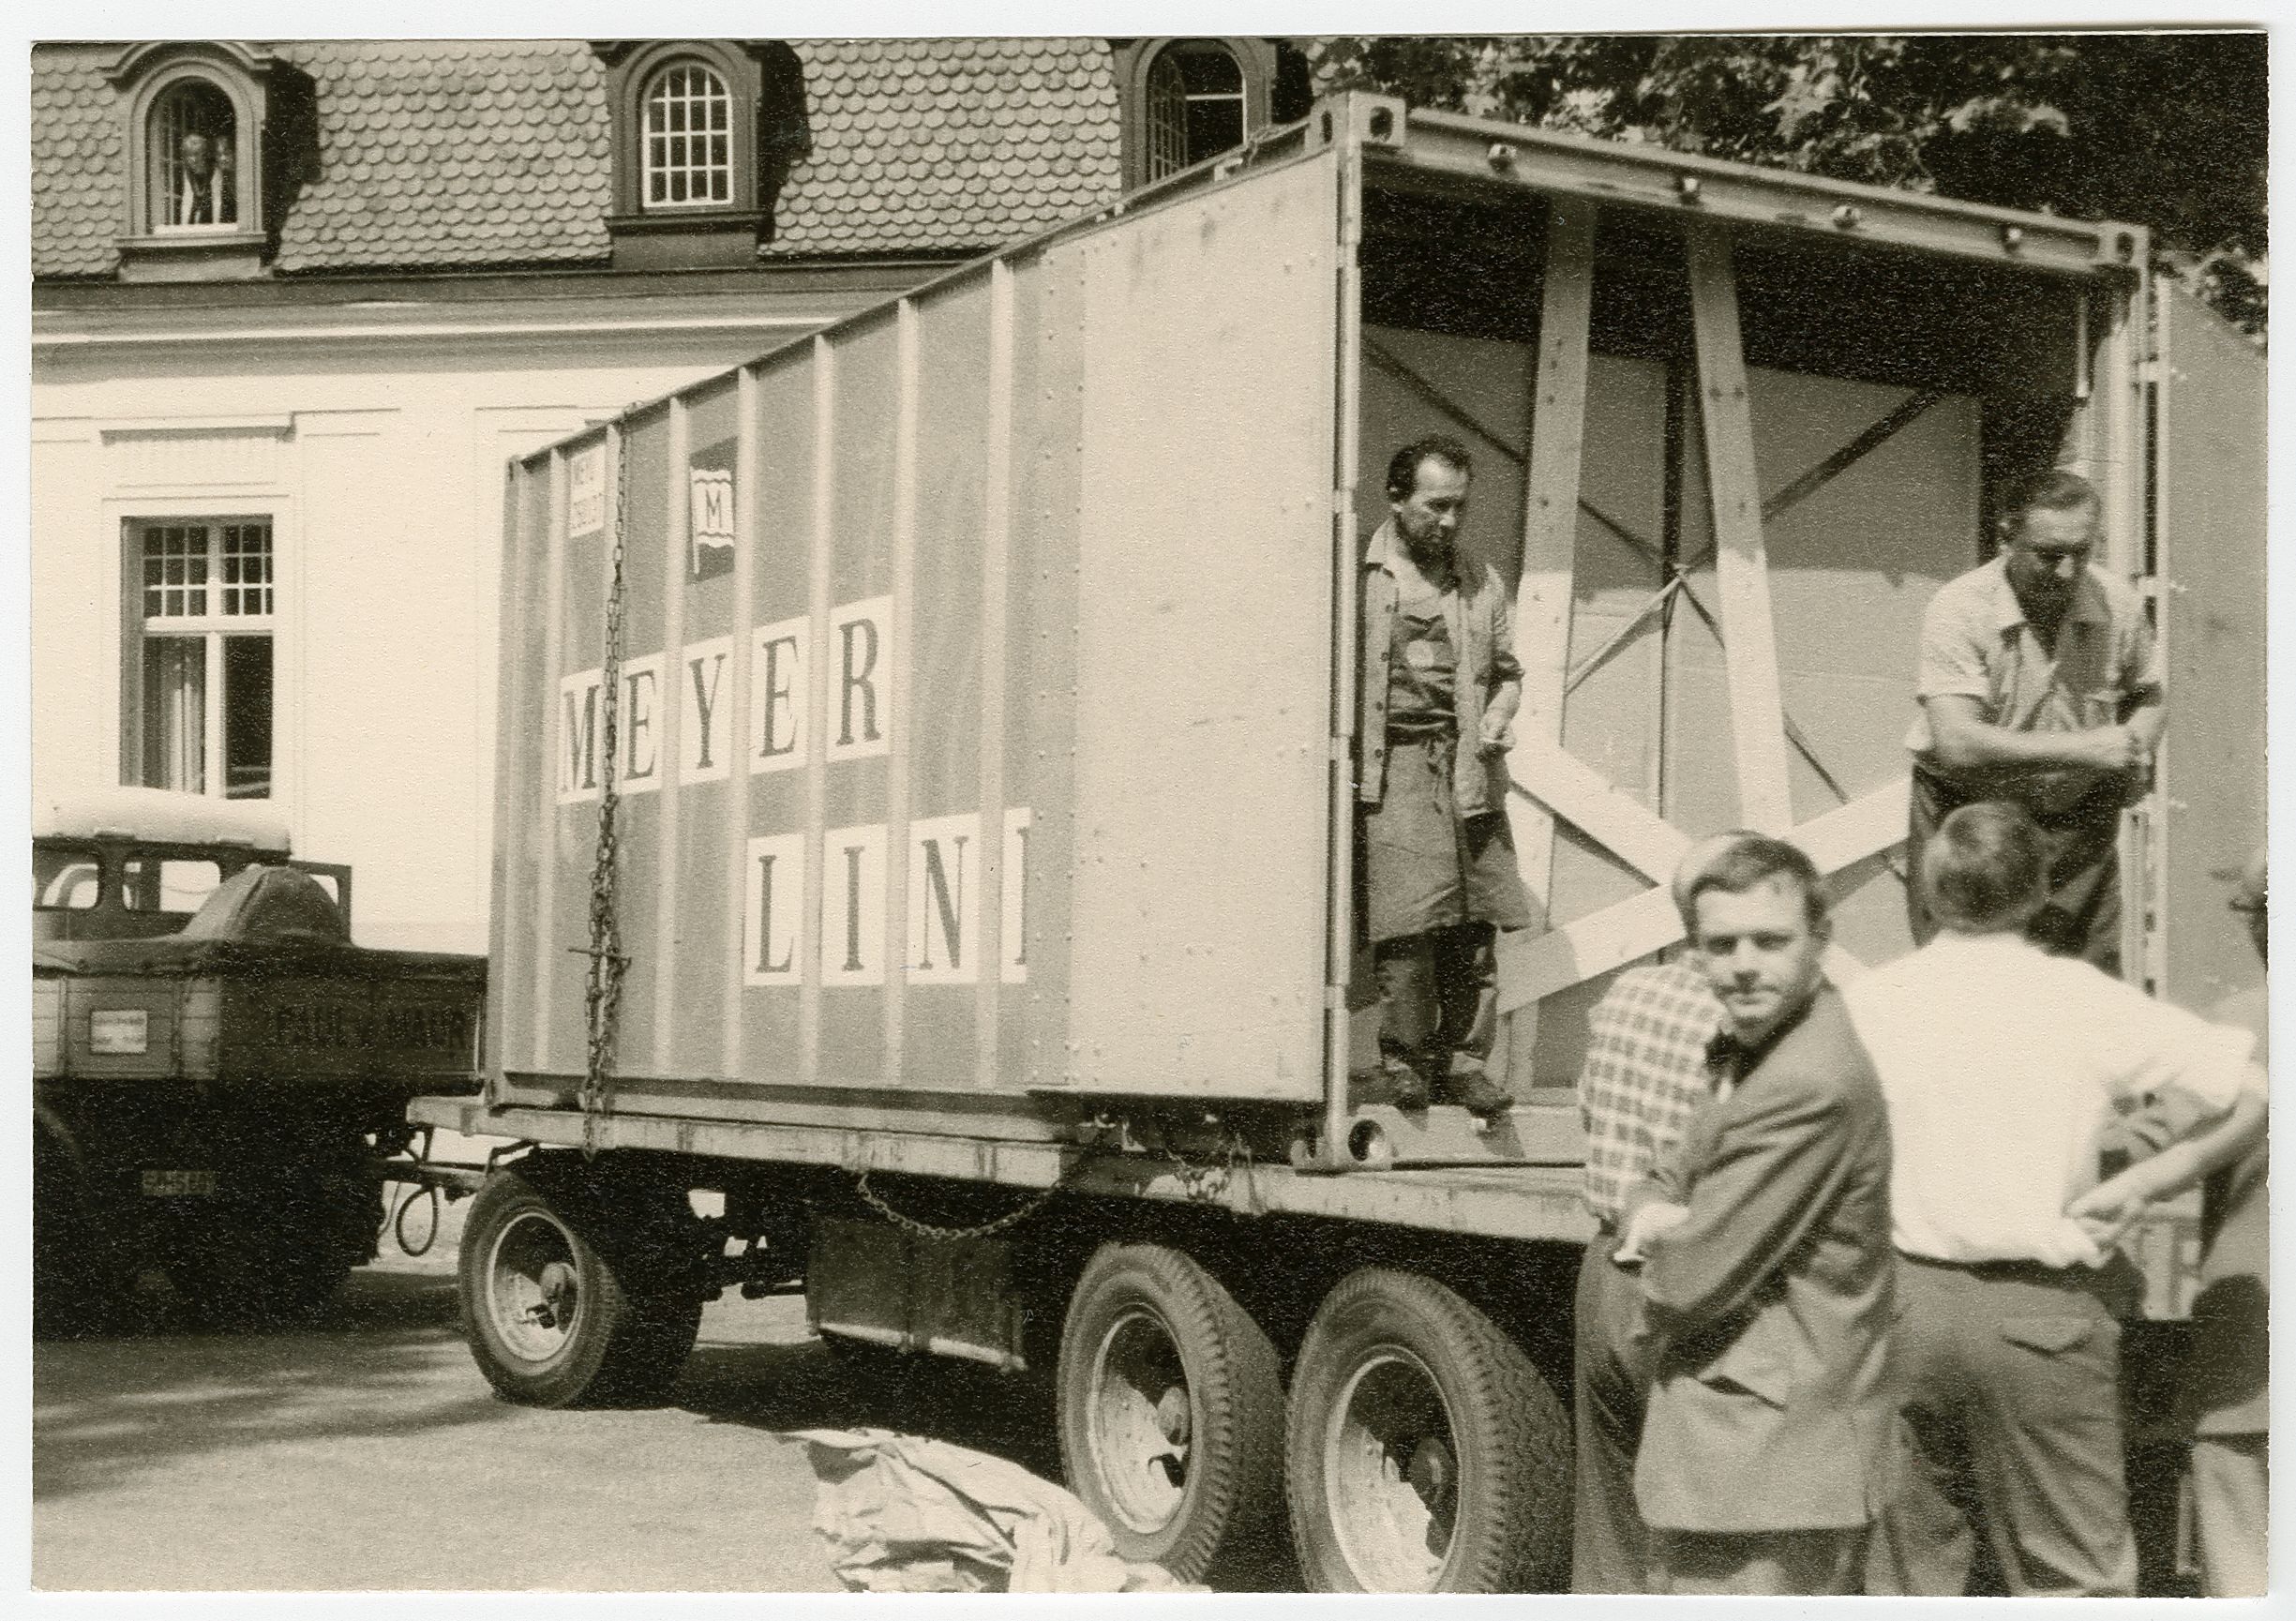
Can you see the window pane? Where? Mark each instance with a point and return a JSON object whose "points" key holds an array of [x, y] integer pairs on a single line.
{"points": [[66, 880], [247, 562], [1168, 118], [686, 109], [175, 712], [191, 164], [247, 717], [1214, 128], [161, 884], [1208, 70]]}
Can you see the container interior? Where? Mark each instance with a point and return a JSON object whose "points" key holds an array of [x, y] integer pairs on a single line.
{"points": [[1956, 377]]}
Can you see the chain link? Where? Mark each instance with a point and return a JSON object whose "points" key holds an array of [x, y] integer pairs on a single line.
{"points": [[1206, 1182], [989, 1229], [601, 993]]}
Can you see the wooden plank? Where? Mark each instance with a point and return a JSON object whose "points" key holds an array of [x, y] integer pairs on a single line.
{"points": [[1615, 935], [677, 516], [899, 636], [1560, 782], [996, 591], [747, 527], [1551, 522], [546, 807], [1742, 566], [818, 545], [1550, 541]]}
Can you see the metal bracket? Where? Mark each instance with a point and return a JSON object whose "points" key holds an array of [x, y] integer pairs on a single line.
{"points": [[1359, 118]]}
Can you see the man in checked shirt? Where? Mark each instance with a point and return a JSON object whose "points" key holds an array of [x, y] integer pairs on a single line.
{"points": [[1644, 1073]]}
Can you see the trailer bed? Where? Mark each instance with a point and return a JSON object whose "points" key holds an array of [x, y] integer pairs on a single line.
{"points": [[1537, 1202]]}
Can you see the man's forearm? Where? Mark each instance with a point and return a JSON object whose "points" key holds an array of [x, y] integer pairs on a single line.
{"points": [[1963, 744], [2147, 720]]}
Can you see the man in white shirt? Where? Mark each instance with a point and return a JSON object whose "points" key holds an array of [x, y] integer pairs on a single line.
{"points": [[2001, 1066]]}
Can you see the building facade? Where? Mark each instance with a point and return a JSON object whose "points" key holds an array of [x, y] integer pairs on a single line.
{"points": [[295, 304]]}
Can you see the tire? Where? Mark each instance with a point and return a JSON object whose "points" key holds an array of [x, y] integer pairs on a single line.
{"points": [[78, 1285], [1423, 1450], [1170, 1402], [550, 1321], [276, 1263]]}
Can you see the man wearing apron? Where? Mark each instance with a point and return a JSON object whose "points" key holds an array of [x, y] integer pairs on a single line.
{"points": [[1439, 685]]}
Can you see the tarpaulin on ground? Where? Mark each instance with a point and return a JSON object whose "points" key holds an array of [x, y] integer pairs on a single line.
{"points": [[909, 1514]]}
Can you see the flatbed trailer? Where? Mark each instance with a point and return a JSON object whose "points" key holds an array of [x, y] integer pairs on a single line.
{"points": [[924, 866]]}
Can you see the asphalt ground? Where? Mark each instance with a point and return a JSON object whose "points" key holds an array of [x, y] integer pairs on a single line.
{"points": [[366, 1452]]}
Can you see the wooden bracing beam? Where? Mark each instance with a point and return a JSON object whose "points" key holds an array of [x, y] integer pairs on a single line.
{"points": [[1757, 726], [1643, 923], [1550, 542]]}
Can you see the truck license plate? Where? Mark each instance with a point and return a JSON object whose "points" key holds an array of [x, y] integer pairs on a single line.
{"points": [[179, 1184]]}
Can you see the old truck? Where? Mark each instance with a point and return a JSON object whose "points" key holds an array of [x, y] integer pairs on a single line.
{"points": [[218, 1073], [924, 865]]}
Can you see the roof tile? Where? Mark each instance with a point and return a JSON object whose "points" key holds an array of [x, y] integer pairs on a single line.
{"points": [[469, 153]]}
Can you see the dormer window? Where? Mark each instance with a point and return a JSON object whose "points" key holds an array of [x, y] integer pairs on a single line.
{"points": [[688, 155], [1196, 105], [196, 111], [1188, 101], [194, 158], [704, 130]]}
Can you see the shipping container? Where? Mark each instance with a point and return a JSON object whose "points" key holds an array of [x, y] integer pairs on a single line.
{"points": [[966, 693]]}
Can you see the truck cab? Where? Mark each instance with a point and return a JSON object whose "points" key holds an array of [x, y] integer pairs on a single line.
{"points": [[219, 1072]]}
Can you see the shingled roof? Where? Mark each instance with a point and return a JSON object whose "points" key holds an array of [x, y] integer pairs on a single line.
{"points": [[468, 154]]}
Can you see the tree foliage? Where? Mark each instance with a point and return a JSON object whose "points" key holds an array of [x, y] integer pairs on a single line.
{"points": [[2164, 129]]}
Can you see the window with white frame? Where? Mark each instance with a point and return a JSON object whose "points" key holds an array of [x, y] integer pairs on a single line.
{"points": [[193, 163], [202, 672], [688, 146]]}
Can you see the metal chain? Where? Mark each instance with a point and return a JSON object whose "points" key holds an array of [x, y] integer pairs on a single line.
{"points": [[1208, 1181], [601, 993], [1012, 1218]]}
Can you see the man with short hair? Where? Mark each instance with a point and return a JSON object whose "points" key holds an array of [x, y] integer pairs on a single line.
{"points": [[1765, 1276], [1439, 684], [1644, 1076], [2002, 1066], [2040, 684]]}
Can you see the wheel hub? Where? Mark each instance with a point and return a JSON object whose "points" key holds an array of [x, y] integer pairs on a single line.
{"points": [[1392, 1474], [1141, 1422]]}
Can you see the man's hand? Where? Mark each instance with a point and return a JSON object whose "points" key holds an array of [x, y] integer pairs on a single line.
{"points": [[2107, 1212], [1498, 734], [2115, 748], [1647, 1223]]}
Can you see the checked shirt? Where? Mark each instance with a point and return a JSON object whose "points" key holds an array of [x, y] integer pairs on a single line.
{"points": [[1645, 1072]]}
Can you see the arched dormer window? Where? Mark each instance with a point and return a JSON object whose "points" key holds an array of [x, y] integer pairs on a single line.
{"points": [[1186, 100], [686, 160], [193, 161], [1196, 105], [704, 130], [196, 113]]}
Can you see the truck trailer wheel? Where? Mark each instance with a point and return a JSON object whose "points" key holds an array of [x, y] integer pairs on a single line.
{"points": [[1171, 1405], [548, 1320], [1424, 1452]]}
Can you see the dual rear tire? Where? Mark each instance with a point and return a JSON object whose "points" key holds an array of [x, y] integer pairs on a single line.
{"points": [[1419, 1450]]}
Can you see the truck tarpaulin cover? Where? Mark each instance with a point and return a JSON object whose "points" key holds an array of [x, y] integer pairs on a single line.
{"points": [[905, 1514]]}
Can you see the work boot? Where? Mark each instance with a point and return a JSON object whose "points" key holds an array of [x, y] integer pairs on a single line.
{"points": [[1391, 1081], [1470, 1085]]}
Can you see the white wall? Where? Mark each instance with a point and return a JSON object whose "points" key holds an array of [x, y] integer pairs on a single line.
{"points": [[381, 459]]}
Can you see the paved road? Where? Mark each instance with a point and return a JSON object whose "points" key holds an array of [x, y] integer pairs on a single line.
{"points": [[366, 1452]]}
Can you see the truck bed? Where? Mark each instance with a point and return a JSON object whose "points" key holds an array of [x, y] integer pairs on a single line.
{"points": [[1532, 1202]]}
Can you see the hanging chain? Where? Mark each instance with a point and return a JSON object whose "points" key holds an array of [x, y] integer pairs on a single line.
{"points": [[988, 1229], [602, 995]]}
